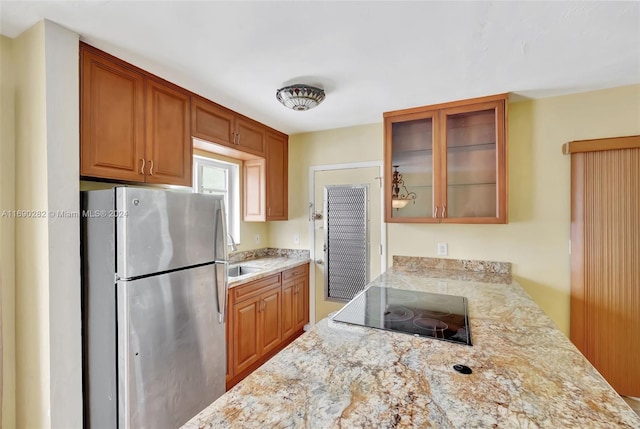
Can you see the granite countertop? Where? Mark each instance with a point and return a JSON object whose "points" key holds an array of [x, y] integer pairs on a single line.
{"points": [[267, 261], [526, 373]]}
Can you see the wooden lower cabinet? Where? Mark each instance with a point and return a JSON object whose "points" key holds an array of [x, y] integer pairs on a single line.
{"points": [[264, 316], [256, 328], [295, 300]]}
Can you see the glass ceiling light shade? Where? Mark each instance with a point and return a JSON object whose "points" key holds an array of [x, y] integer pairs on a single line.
{"points": [[300, 97], [400, 196]]}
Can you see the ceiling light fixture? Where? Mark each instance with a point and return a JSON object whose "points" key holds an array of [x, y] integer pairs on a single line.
{"points": [[300, 97], [400, 199]]}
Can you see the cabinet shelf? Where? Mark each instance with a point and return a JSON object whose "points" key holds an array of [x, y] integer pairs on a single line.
{"points": [[453, 184], [459, 148]]}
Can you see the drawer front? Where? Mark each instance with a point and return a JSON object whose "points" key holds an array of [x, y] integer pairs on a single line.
{"points": [[302, 270], [249, 290]]}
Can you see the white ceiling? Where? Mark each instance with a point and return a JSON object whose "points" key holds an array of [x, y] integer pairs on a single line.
{"points": [[370, 57]]}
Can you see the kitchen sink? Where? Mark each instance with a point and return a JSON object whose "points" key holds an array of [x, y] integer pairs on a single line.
{"points": [[241, 270]]}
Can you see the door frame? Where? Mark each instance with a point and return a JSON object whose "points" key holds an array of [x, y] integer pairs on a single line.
{"points": [[312, 253]]}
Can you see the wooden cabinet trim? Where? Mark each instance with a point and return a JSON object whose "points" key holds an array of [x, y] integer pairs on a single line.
{"points": [[594, 145], [450, 104]]}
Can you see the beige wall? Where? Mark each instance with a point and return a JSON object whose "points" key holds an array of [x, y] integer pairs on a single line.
{"points": [[7, 234], [343, 145], [536, 240], [48, 387], [32, 264]]}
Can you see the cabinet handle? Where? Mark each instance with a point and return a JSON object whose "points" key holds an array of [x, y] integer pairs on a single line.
{"points": [[238, 141], [151, 167], [444, 211], [142, 166], [435, 212]]}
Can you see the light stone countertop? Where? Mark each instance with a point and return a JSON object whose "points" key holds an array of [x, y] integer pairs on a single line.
{"points": [[268, 265], [526, 373]]}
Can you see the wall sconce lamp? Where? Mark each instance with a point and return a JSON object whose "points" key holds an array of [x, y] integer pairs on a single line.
{"points": [[400, 196]]}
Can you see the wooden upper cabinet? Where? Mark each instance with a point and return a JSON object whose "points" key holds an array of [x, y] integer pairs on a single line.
{"points": [[111, 119], [213, 123], [450, 162], [250, 136], [265, 189], [254, 190], [168, 142], [277, 176], [132, 126]]}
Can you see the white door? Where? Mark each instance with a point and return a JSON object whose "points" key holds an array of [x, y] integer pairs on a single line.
{"points": [[345, 176]]}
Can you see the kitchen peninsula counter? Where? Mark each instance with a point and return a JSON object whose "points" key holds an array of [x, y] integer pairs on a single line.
{"points": [[526, 373]]}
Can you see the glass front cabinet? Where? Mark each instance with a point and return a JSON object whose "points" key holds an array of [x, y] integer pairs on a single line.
{"points": [[447, 163]]}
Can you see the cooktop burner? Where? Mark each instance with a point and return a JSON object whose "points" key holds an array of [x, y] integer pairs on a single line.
{"points": [[412, 312]]}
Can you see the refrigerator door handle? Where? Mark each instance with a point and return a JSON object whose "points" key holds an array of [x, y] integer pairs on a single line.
{"points": [[222, 292]]}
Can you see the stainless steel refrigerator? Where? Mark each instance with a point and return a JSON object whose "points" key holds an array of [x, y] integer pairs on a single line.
{"points": [[154, 295]]}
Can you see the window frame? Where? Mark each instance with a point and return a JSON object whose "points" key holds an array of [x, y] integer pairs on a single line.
{"points": [[232, 193]]}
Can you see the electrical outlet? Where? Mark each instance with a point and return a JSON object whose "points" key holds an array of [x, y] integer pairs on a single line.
{"points": [[296, 238], [443, 249], [257, 238]]}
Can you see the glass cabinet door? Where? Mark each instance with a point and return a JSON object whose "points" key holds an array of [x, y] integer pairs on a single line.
{"points": [[412, 191], [471, 164]]}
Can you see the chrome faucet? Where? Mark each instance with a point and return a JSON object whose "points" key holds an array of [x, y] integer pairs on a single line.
{"points": [[234, 247]]}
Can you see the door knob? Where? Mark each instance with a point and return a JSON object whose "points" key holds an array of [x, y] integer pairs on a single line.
{"points": [[319, 262]]}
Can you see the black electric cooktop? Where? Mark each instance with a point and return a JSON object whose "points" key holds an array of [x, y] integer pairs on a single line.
{"points": [[424, 314]]}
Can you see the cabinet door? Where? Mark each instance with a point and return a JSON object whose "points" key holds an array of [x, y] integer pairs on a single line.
{"points": [[246, 333], [411, 159], [211, 122], [168, 142], [277, 177], [254, 190], [473, 185], [271, 320], [288, 305], [250, 136], [111, 119], [301, 303]]}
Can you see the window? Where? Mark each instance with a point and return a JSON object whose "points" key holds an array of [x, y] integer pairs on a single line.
{"points": [[220, 178]]}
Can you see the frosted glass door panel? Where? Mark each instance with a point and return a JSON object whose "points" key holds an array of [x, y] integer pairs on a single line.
{"points": [[413, 156], [471, 164]]}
